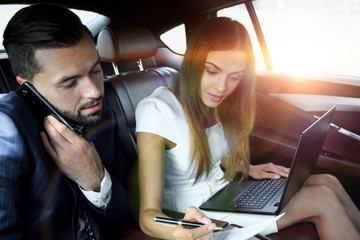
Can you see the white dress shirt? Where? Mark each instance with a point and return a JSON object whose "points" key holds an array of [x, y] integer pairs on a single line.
{"points": [[98, 199]]}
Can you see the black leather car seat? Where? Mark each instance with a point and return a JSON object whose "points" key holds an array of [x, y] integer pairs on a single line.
{"points": [[126, 48]]}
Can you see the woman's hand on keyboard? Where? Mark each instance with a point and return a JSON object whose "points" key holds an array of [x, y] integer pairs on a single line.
{"points": [[268, 170]]}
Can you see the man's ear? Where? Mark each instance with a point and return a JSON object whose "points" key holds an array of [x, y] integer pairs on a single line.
{"points": [[20, 80]]}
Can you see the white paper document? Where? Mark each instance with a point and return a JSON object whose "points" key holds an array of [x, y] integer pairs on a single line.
{"points": [[234, 233]]}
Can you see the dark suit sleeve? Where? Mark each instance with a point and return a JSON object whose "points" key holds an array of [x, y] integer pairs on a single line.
{"points": [[13, 168]]}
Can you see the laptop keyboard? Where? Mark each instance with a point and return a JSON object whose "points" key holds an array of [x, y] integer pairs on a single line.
{"points": [[259, 195]]}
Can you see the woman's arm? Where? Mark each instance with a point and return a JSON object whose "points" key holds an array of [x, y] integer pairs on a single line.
{"points": [[151, 149]]}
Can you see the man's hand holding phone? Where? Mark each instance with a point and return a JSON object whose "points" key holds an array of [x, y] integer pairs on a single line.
{"points": [[76, 157]]}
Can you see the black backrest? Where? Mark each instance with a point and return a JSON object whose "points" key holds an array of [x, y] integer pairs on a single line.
{"points": [[123, 47], [129, 89]]}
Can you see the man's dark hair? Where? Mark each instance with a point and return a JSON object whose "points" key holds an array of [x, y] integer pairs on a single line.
{"points": [[42, 26]]}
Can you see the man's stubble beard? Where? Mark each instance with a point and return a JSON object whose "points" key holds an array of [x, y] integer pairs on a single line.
{"points": [[88, 120]]}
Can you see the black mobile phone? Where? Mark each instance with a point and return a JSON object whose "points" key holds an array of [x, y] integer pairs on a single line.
{"points": [[38, 104], [180, 215]]}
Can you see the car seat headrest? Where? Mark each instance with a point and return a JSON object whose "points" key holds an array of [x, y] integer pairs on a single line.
{"points": [[119, 43]]}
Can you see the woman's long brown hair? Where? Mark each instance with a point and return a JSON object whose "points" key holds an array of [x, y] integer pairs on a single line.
{"points": [[236, 112]]}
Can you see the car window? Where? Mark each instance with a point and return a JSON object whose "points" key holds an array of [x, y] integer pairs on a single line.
{"points": [[240, 14], [175, 39], [8, 11], [309, 36]]}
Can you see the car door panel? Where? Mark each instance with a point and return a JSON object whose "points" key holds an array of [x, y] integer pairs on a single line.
{"points": [[288, 105]]}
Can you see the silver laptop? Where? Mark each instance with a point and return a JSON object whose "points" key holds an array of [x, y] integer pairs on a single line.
{"points": [[268, 196]]}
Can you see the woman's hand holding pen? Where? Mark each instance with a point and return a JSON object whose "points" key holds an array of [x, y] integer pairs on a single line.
{"points": [[203, 232], [268, 170]]}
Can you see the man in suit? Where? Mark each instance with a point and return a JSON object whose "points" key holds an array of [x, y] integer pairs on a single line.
{"points": [[55, 184]]}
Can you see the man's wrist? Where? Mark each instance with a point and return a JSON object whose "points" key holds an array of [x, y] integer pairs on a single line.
{"points": [[100, 199]]}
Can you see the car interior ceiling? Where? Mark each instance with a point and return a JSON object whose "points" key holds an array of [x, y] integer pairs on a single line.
{"points": [[273, 139]]}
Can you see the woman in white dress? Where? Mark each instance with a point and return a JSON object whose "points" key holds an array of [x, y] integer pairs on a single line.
{"points": [[186, 136]]}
